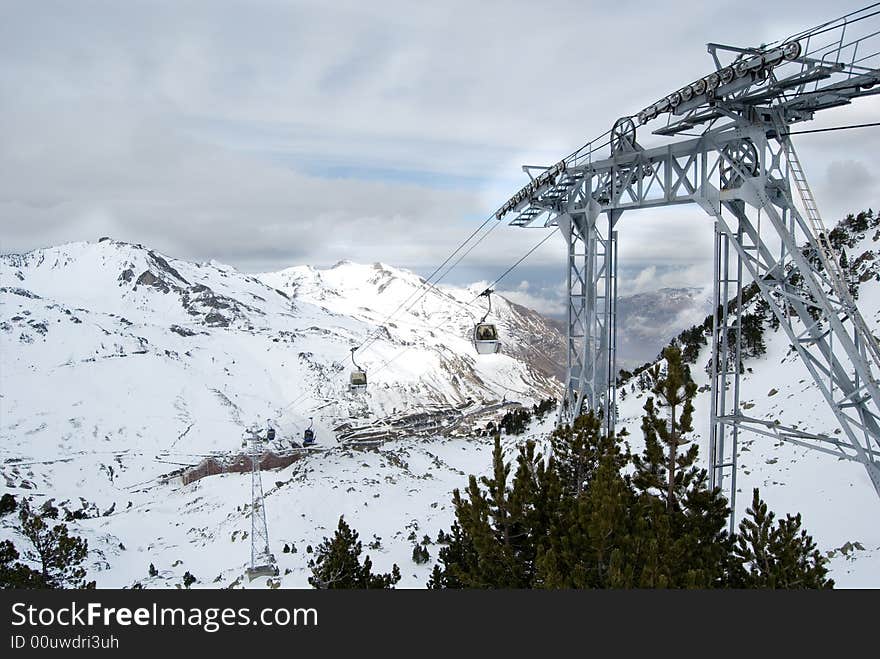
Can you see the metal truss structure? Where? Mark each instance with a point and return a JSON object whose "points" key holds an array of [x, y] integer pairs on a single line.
{"points": [[742, 170], [262, 559]]}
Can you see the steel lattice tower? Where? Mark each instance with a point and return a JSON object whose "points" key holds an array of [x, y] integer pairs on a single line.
{"points": [[262, 559], [742, 170]]}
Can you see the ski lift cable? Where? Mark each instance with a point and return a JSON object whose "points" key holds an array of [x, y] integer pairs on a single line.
{"points": [[836, 23], [498, 279], [433, 286], [511, 268], [467, 306], [373, 337], [281, 413], [376, 332], [833, 128]]}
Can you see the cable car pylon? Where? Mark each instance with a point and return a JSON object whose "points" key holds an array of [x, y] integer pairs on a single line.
{"points": [[741, 170], [262, 560]]}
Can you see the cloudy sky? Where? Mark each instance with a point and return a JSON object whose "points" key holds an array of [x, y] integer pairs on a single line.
{"points": [[267, 133]]}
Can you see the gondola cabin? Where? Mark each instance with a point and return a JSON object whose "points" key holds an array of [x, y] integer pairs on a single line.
{"points": [[358, 381], [486, 339], [309, 435], [486, 334]]}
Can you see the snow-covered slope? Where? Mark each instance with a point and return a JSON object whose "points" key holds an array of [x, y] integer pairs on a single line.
{"points": [[121, 365], [648, 319], [839, 505]]}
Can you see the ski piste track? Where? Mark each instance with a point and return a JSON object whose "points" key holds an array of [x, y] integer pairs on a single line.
{"points": [[742, 170]]}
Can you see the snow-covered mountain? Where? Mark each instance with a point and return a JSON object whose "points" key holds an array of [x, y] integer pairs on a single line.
{"points": [[123, 369], [839, 505], [648, 319], [121, 366]]}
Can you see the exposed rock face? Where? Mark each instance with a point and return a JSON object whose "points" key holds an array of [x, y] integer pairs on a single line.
{"points": [[147, 278]]}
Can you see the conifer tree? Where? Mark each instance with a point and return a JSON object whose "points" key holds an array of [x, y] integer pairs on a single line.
{"points": [[680, 537], [499, 526], [420, 554], [457, 560], [14, 574], [752, 335], [590, 537], [7, 504], [776, 555], [661, 468], [337, 565], [578, 450], [59, 554]]}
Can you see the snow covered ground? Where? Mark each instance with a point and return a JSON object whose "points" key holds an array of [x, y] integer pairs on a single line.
{"points": [[120, 366], [393, 495], [839, 505]]}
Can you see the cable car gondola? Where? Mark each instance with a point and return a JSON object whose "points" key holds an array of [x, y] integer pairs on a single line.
{"points": [[486, 334], [358, 380], [309, 435]]}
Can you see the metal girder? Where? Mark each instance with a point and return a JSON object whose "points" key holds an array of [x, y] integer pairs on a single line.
{"points": [[760, 235], [262, 560], [740, 170], [725, 364], [592, 314]]}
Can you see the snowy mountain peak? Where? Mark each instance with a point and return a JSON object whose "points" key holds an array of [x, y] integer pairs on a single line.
{"points": [[281, 336]]}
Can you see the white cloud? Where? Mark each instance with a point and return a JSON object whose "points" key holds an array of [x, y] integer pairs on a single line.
{"points": [[549, 306], [266, 133], [651, 279]]}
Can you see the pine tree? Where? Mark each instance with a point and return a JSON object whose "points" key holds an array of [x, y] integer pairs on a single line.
{"points": [[60, 555], [590, 537], [680, 537], [420, 554], [7, 504], [188, 579], [500, 524], [336, 564], [752, 335], [14, 574], [458, 560], [780, 555], [661, 468], [153, 572], [578, 450], [765, 313]]}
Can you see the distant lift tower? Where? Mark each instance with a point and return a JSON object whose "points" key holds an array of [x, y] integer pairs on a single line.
{"points": [[262, 559], [725, 147]]}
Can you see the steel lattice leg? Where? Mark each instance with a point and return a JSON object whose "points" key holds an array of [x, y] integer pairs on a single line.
{"points": [[725, 367], [592, 309]]}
